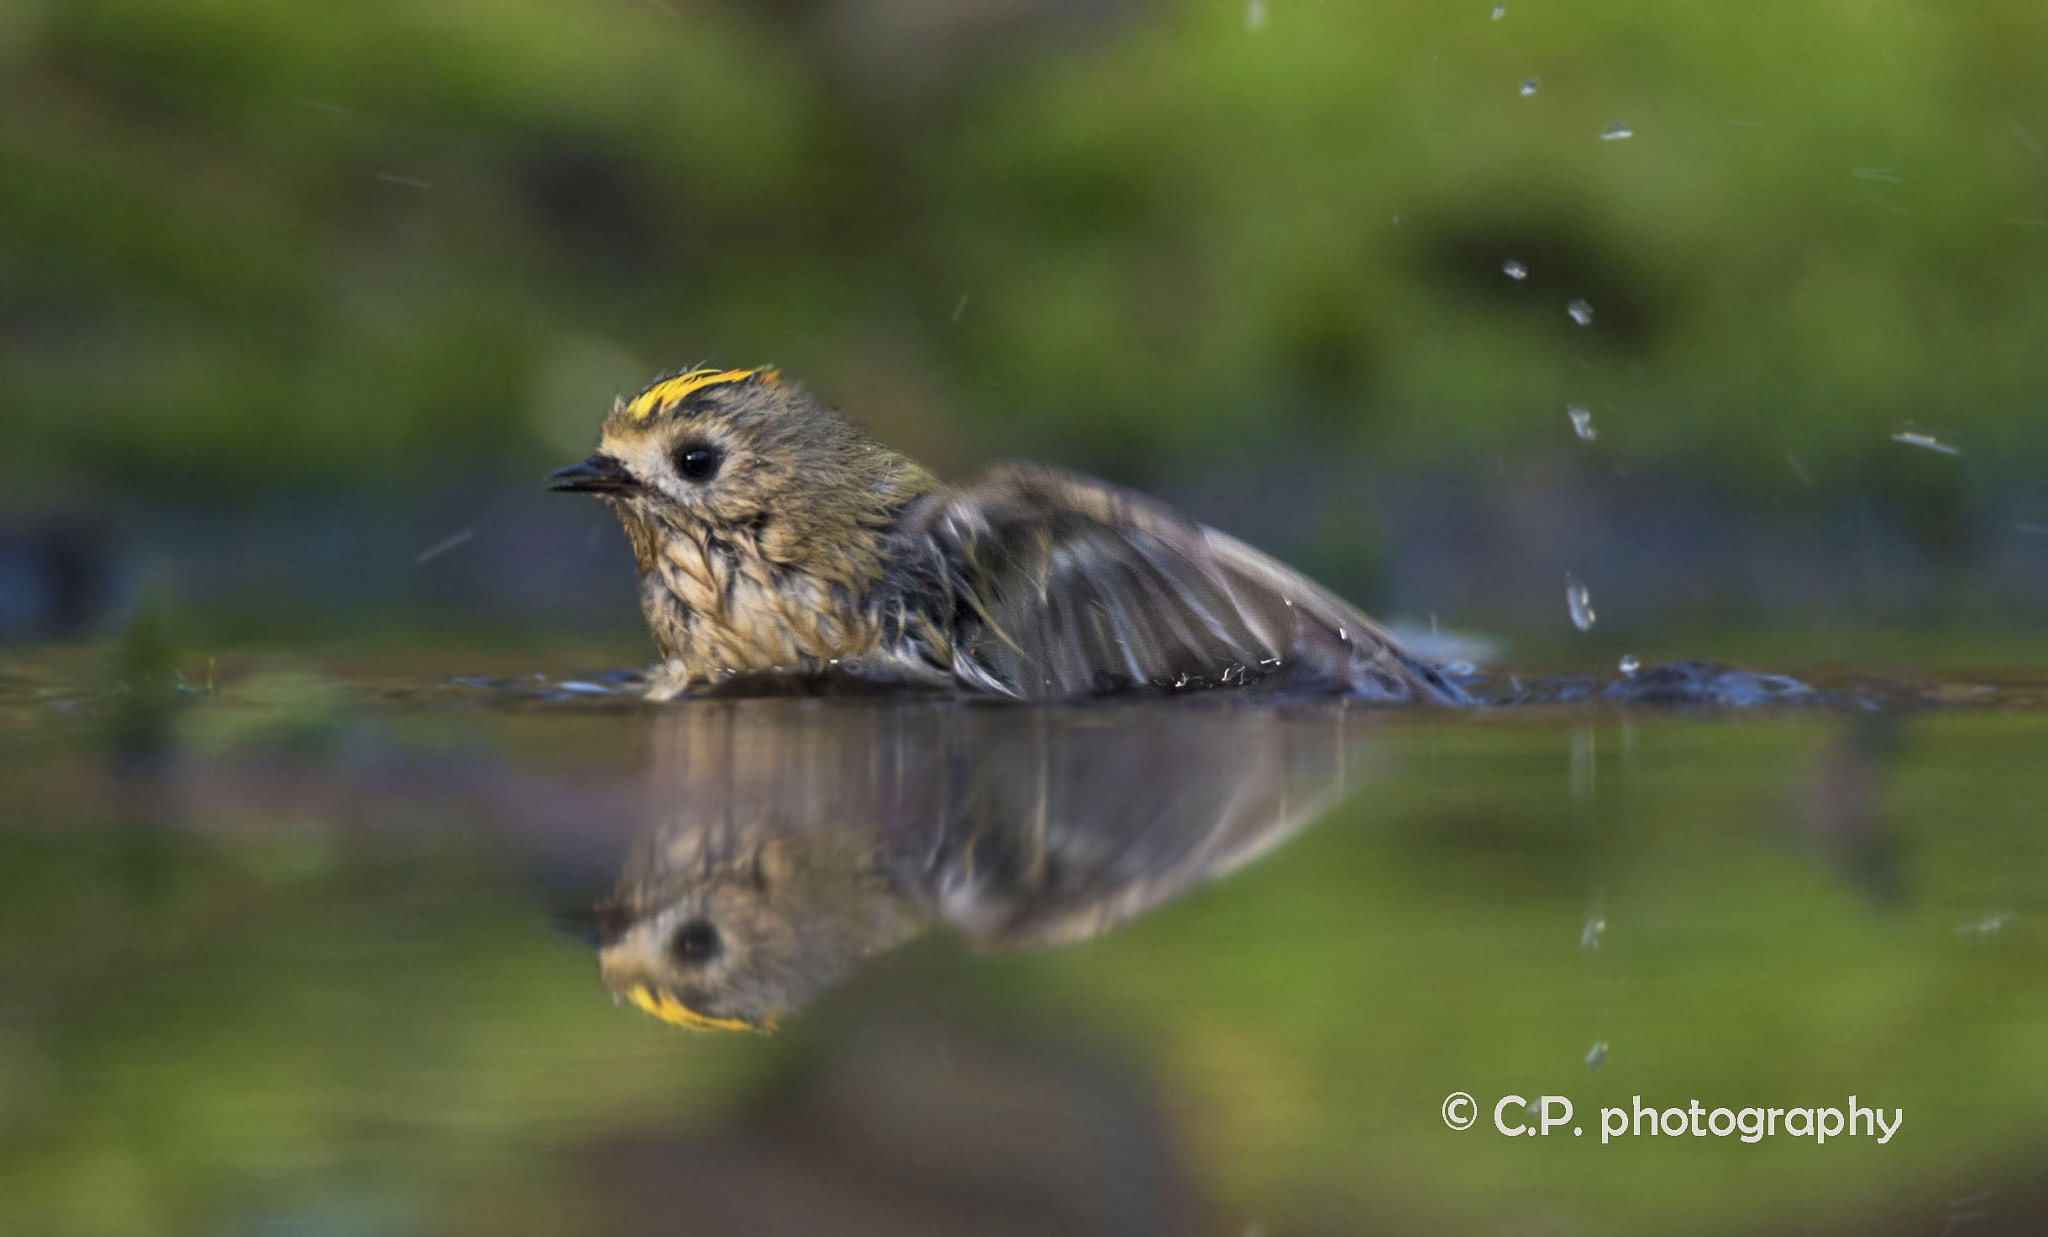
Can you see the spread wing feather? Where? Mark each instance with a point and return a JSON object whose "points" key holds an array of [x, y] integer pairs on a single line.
{"points": [[1061, 585]]}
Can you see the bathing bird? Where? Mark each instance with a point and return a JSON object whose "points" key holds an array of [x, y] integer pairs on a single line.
{"points": [[774, 537]]}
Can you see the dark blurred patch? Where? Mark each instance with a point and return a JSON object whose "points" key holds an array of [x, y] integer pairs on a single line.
{"points": [[909, 50], [95, 61], [1083, 200], [1932, 497], [592, 206], [147, 692], [1839, 805], [1327, 342], [903, 1130], [1565, 261], [1999, 1200], [57, 577], [1483, 857], [37, 308]]}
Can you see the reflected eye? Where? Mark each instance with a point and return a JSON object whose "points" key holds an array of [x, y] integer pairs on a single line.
{"points": [[697, 461], [695, 941]]}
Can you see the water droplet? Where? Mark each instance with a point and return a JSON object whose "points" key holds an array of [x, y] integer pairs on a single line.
{"points": [[1616, 132], [1596, 1056], [1582, 421], [1989, 926], [1580, 601], [1915, 437], [1514, 270], [1589, 939], [1629, 664], [1530, 85], [1255, 15], [439, 548], [1581, 312]]}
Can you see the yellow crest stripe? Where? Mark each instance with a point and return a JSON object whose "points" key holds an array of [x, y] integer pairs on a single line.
{"points": [[675, 1013], [662, 394]]}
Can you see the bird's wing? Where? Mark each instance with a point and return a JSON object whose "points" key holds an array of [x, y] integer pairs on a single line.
{"points": [[1067, 822], [1062, 585]]}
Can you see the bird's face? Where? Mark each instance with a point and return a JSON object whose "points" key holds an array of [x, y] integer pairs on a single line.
{"points": [[710, 959], [735, 944], [706, 448], [722, 453]]}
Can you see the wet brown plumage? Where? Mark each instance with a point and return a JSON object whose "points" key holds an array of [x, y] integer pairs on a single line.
{"points": [[773, 536]]}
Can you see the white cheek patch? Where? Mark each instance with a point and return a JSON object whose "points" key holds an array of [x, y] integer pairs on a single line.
{"points": [[645, 462]]}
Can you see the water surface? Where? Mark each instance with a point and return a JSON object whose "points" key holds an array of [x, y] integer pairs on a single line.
{"points": [[318, 949]]}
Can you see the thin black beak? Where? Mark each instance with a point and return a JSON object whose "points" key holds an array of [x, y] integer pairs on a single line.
{"points": [[599, 927], [600, 474]]}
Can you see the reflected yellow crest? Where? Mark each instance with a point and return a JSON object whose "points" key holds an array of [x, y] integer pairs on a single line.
{"points": [[675, 1013], [662, 394]]}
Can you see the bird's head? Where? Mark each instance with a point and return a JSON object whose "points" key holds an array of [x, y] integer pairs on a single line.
{"points": [[736, 942], [719, 452]]}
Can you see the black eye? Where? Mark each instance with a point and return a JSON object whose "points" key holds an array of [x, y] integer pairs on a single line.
{"points": [[698, 461], [695, 941]]}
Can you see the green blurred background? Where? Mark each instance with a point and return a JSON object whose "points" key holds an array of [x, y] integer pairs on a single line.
{"points": [[298, 302], [291, 294]]}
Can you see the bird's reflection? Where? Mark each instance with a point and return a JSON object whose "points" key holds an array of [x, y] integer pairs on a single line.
{"points": [[786, 840]]}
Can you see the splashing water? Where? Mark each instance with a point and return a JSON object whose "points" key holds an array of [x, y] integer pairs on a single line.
{"points": [[1514, 270], [1629, 665], [1596, 1056], [1616, 132], [1920, 438], [1581, 311], [330, 108], [1582, 421], [1989, 926], [439, 548], [1530, 85], [1589, 938], [1579, 601], [1499, 11]]}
